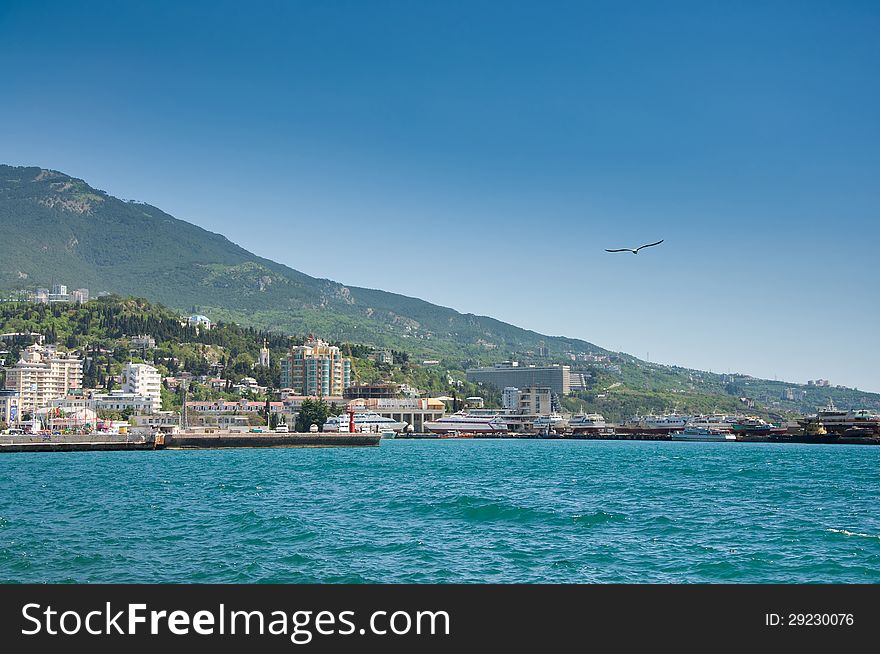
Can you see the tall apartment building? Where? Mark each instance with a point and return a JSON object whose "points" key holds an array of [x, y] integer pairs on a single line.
{"points": [[510, 398], [316, 369], [536, 400], [510, 373], [144, 380], [43, 374]]}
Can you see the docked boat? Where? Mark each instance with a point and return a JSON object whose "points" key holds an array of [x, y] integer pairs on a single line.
{"points": [[702, 435], [752, 426], [464, 422], [587, 422], [716, 421], [838, 421], [662, 424], [364, 421], [550, 423]]}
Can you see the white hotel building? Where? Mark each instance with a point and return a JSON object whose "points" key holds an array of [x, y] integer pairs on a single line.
{"points": [[43, 374], [144, 380]]}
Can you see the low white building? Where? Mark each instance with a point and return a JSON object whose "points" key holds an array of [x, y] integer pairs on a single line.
{"points": [[143, 341], [112, 401], [216, 407], [198, 320], [122, 401]]}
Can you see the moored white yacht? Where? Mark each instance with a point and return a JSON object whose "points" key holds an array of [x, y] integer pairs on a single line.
{"points": [[667, 422], [587, 422], [364, 421], [553, 422], [464, 422]]}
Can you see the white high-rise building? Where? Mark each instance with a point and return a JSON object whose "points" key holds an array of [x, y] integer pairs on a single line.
{"points": [[144, 380], [44, 374], [510, 398]]}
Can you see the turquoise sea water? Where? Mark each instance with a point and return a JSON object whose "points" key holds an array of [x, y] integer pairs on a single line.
{"points": [[446, 511]]}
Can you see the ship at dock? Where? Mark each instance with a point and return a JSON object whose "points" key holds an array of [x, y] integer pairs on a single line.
{"points": [[588, 423], [465, 422], [552, 423], [664, 424], [752, 427], [833, 425], [844, 422], [720, 422], [364, 421]]}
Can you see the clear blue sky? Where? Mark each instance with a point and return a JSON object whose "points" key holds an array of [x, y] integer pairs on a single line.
{"points": [[481, 155]]}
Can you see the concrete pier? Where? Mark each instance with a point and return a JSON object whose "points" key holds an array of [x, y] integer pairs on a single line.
{"points": [[269, 439], [215, 440]]}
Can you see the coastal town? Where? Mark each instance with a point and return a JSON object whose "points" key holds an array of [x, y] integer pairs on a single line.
{"points": [[61, 395]]}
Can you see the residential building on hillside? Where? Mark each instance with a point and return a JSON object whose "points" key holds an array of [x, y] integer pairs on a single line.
{"points": [[143, 342], [316, 369], [43, 374], [144, 380], [383, 356], [198, 320], [409, 391]]}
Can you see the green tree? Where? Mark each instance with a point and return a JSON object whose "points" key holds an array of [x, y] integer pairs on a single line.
{"points": [[312, 412]]}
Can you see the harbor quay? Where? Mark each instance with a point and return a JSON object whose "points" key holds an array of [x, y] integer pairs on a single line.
{"points": [[180, 440], [647, 436]]}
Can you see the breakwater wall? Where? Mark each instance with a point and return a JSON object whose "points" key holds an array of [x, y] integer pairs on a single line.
{"points": [[216, 440], [233, 439]]}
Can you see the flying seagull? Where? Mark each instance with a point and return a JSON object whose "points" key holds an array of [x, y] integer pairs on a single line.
{"points": [[636, 251]]}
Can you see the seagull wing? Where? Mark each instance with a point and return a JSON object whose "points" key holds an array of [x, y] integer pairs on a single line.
{"points": [[650, 245], [620, 250]]}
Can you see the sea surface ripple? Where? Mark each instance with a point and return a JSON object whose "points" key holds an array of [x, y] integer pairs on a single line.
{"points": [[466, 511]]}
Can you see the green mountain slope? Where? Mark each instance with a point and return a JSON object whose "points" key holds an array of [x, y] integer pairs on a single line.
{"points": [[58, 228]]}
